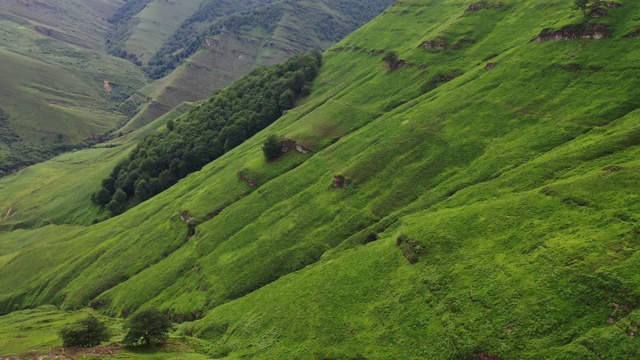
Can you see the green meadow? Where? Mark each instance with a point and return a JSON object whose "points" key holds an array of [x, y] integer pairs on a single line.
{"points": [[489, 208]]}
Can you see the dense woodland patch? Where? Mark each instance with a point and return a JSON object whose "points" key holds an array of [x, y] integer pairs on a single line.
{"points": [[227, 119]]}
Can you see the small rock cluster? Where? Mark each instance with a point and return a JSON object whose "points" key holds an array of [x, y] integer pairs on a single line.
{"points": [[483, 5]]}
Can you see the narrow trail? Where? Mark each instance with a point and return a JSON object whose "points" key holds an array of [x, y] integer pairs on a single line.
{"points": [[9, 211]]}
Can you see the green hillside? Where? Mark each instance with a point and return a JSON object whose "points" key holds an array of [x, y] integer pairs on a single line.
{"points": [[235, 44], [143, 28], [474, 199], [54, 93]]}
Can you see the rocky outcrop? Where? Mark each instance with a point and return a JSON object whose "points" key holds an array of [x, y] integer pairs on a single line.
{"points": [[339, 182], [597, 9], [610, 4], [440, 44], [575, 32], [483, 5], [633, 34], [461, 43], [435, 44], [397, 64], [598, 12]]}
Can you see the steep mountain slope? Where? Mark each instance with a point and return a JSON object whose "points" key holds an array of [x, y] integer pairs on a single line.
{"points": [[200, 57], [59, 87], [145, 27], [477, 202]]}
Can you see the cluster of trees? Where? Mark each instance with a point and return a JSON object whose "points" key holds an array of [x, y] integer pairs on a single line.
{"points": [[272, 147], [87, 332], [226, 120], [146, 326]]}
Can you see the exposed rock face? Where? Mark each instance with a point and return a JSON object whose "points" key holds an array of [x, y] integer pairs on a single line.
{"points": [[575, 32], [483, 5], [610, 4], [301, 149], [339, 181], [461, 43], [598, 12], [435, 44], [398, 64]]}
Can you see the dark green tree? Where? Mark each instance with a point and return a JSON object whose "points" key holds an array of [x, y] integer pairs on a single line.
{"points": [[109, 184], [581, 5], [390, 57], [87, 332], [286, 99], [142, 190], [102, 197], [318, 55], [116, 205], [147, 326], [170, 125], [227, 119], [272, 147]]}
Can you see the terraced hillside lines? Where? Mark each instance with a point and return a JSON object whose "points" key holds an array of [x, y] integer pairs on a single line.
{"points": [[475, 199], [238, 43], [77, 22], [53, 91], [154, 27]]}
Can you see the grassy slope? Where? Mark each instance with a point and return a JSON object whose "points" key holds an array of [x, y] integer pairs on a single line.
{"points": [[53, 85], [58, 191], [77, 22], [228, 56], [518, 184], [155, 24], [43, 323]]}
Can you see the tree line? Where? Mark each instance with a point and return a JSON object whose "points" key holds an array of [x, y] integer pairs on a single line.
{"points": [[228, 118]]}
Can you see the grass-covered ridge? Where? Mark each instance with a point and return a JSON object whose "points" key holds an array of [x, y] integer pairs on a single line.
{"points": [[489, 211]]}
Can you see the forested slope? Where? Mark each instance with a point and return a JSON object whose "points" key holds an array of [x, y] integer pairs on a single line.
{"points": [[474, 199]]}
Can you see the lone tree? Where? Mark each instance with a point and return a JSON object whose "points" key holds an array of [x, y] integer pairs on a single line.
{"points": [[147, 326], [581, 5], [390, 57], [272, 147], [87, 332]]}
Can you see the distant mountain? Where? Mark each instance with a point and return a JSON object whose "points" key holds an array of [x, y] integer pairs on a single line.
{"points": [[58, 88], [142, 28], [200, 57]]}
